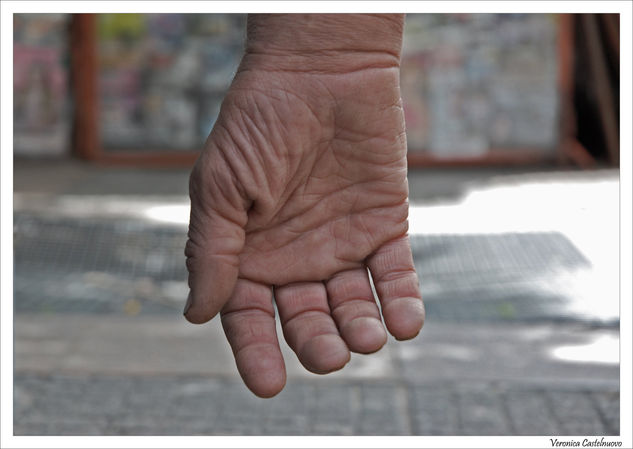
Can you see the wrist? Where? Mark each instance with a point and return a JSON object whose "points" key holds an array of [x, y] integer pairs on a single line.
{"points": [[327, 43]]}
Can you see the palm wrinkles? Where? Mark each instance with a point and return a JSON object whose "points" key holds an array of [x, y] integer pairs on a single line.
{"points": [[302, 187], [326, 176]]}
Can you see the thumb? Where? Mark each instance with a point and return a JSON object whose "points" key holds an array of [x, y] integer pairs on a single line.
{"points": [[216, 235]]}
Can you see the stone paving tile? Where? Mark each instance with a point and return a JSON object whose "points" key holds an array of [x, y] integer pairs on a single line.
{"points": [[183, 405], [480, 410], [528, 413], [608, 404], [435, 410], [288, 413], [336, 411], [383, 410], [41, 428], [576, 413]]}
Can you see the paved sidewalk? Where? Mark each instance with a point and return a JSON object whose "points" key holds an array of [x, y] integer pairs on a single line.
{"points": [[185, 405], [96, 374], [78, 344], [515, 342]]}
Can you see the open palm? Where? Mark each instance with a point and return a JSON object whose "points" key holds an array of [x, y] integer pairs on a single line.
{"points": [[301, 188]]}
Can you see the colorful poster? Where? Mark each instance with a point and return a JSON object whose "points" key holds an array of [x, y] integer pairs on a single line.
{"points": [[162, 77], [476, 82], [41, 112]]}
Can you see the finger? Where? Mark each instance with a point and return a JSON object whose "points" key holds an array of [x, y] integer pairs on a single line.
{"points": [[248, 320], [398, 288], [355, 311], [308, 327], [216, 237]]}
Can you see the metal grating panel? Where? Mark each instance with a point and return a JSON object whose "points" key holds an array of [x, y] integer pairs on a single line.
{"points": [[63, 264]]}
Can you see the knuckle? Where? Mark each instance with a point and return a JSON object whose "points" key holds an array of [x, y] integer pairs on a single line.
{"points": [[191, 255]]}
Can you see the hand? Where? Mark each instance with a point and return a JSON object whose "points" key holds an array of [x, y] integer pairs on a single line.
{"points": [[301, 187]]}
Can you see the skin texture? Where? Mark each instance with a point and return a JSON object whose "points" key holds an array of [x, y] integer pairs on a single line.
{"points": [[300, 190]]}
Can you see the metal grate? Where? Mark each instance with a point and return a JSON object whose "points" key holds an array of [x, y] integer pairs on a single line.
{"points": [[527, 277], [99, 266]]}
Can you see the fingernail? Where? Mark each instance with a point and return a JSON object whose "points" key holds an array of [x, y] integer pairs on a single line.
{"points": [[188, 304]]}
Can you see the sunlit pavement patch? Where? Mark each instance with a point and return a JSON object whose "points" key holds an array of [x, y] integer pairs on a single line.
{"points": [[568, 222], [514, 276], [602, 349]]}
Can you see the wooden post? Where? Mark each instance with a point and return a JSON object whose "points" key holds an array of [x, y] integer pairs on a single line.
{"points": [[570, 148], [84, 86], [602, 87]]}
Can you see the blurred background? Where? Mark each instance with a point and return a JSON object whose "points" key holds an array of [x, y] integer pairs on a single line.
{"points": [[513, 135]]}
